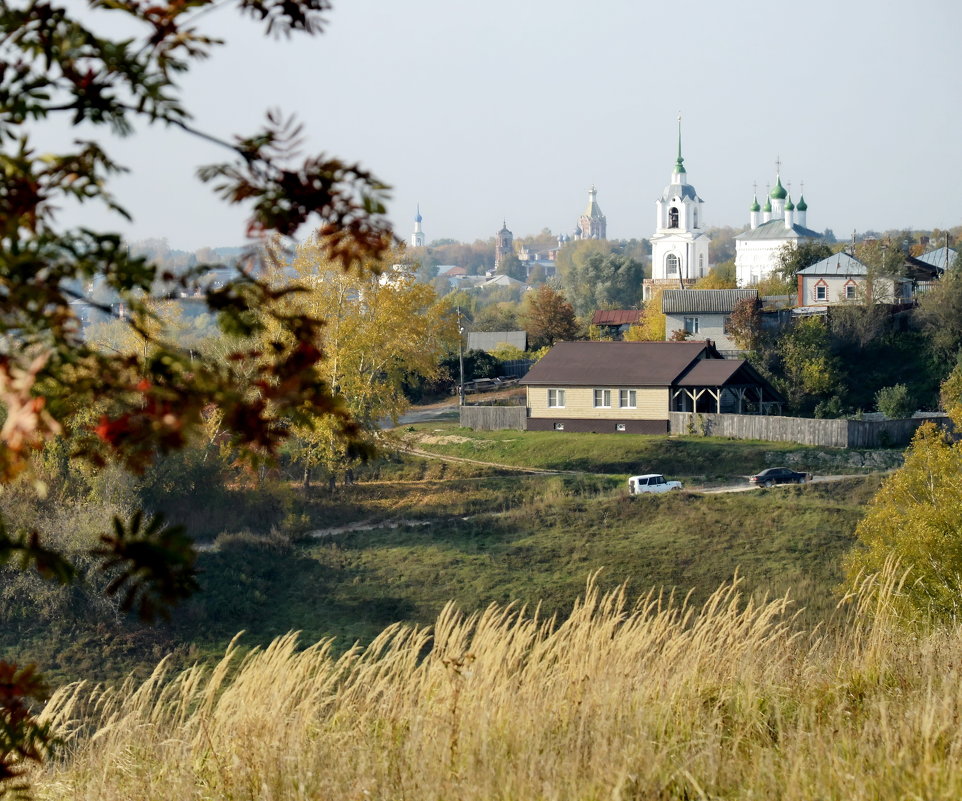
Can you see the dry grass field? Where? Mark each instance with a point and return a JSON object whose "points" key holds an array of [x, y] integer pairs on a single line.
{"points": [[651, 699]]}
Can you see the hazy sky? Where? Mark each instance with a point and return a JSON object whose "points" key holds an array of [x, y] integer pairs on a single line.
{"points": [[510, 110]]}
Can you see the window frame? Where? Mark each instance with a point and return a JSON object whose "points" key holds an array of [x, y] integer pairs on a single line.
{"points": [[556, 398], [632, 397], [821, 292], [605, 395], [692, 325], [672, 264]]}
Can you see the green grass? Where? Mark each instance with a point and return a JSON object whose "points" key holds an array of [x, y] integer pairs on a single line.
{"points": [[712, 458], [483, 538]]}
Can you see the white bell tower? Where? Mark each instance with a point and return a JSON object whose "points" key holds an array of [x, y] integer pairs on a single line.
{"points": [[679, 246]]}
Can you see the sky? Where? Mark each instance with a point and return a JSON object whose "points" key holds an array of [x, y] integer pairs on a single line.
{"points": [[509, 110]]}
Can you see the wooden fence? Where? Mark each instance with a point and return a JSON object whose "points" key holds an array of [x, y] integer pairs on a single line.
{"points": [[824, 433], [493, 418]]}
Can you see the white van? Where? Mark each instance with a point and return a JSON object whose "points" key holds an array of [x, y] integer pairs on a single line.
{"points": [[651, 482]]}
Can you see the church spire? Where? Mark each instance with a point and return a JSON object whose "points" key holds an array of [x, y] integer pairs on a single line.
{"points": [[679, 162]]}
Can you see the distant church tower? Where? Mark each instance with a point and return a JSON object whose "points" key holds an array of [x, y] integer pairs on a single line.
{"points": [[417, 238], [504, 246], [592, 224], [679, 246]]}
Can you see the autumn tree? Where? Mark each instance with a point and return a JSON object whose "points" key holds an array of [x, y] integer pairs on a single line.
{"points": [[721, 276], [916, 519], [745, 324], [651, 325], [549, 318], [382, 328], [129, 406]]}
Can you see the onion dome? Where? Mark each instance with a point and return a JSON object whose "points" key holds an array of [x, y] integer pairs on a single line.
{"points": [[755, 206], [802, 205], [768, 206], [778, 192], [789, 206]]}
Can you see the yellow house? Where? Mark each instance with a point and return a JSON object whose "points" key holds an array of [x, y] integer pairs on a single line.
{"points": [[630, 387]]}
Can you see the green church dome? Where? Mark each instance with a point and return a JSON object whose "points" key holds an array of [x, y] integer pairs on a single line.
{"points": [[755, 206], [802, 205], [789, 206], [778, 193]]}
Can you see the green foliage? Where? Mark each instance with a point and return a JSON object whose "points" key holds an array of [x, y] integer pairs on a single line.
{"points": [[895, 401], [595, 276], [792, 258], [940, 310], [513, 267]]}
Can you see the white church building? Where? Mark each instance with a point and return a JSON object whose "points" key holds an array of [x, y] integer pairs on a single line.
{"points": [[779, 223], [679, 246]]}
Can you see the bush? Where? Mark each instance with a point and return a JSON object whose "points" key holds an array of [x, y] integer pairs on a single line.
{"points": [[895, 401]]}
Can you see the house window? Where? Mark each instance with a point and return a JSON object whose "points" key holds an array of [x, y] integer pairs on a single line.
{"points": [[556, 398], [850, 292], [701, 263], [602, 398], [673, 217], [620, 427], [559, 426], [671, 264], [691, 325], [821, 292], [627, 398]]}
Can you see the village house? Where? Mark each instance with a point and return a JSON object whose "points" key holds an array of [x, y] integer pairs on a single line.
{"points": [[631, 387], [703, 313]]}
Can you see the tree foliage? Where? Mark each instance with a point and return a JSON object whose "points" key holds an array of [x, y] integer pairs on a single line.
{"points": [[549, 317], [651, 325], [895, 401], [131, 406], [794, 257], [382, 328], [916, 518]]}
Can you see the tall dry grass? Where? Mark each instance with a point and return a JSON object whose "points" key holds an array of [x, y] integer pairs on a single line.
{"points": [[652, 700]]}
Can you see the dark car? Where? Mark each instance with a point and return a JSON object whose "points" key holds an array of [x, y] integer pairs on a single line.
{"points": [[779, 475]]}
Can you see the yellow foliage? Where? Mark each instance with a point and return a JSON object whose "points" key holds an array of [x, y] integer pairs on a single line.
{"points": [[917, 518], [651, 326]]}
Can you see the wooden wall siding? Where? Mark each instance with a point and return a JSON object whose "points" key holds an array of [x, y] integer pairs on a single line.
{"points": [[823, 433], [579, 403], [493, 418]]}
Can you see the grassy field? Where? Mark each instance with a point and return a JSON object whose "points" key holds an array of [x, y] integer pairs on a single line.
{"points": [[437, 532], [708, 459], [636, 701]]}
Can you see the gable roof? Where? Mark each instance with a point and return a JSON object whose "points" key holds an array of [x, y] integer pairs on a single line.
{"points": [[775, 229], [616, 317], [490, 340], [838, 264], [942, 257], [705, 301], [627, 364], [727, 372]]}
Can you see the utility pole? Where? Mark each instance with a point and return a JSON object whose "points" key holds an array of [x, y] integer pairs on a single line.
{"points": [[460, 359]]}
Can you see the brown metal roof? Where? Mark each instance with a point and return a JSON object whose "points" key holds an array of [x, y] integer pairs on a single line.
{"points": [[727, 372], [710, 373], [616, 317], [626, 364]]}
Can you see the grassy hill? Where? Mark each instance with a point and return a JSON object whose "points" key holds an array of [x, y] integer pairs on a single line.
{"points": [[436, 532]]}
